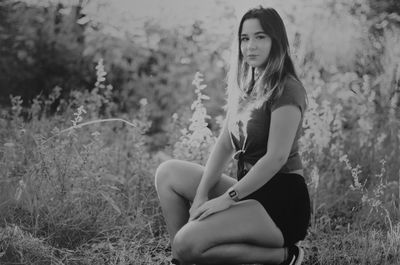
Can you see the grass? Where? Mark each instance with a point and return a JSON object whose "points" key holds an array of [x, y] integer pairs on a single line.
{"points": [[85, 194]]}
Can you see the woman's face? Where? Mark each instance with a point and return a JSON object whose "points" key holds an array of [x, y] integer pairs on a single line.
{"points": [[255, 44]]}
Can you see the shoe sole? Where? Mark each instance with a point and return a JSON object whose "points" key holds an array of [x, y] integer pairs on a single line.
{"points": [[300, 257]]}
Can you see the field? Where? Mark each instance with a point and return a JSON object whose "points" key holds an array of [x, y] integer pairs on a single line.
{"points": [[76, 191], [79, 146]]}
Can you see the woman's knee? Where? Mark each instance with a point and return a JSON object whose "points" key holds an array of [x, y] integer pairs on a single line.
{"points": [[187, 246], [164, 173]]}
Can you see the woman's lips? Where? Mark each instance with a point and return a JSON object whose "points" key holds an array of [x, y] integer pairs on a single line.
{"points": [[252, 57]]}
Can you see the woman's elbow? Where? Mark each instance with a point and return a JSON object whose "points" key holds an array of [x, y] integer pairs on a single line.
{"points": [[282, 159], [279, 159]]}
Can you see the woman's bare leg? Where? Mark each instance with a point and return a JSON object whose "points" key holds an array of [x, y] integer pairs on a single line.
{"points": [[244, 233], [176, 184]]}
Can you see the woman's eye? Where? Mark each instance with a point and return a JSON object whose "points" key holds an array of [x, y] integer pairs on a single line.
{"points": [[260, 37], [244, 39]]}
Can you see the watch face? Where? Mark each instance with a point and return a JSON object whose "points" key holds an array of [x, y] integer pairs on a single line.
{"points": [[232, 193]]}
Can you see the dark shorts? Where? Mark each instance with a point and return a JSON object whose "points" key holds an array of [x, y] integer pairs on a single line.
{"points": [[285, 197]]}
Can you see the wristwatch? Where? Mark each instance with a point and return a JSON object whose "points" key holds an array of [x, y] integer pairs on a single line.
{"points": [[233, 194]]}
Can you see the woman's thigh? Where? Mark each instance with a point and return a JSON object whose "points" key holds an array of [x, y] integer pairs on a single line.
{"points": [[184, 178], [245, 222]]}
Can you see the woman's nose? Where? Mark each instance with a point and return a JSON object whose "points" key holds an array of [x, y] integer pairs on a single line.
{"points": [[251, 45]]}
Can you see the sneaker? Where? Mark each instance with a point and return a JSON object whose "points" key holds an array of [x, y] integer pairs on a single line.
{"points": [[174, 262], [295, 256]]}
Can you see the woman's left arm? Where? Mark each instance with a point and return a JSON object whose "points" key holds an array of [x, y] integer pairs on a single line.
{"points": [[283, 127]]}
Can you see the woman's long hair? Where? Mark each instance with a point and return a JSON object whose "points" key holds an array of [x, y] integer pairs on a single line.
{"points": [[241, 76]]}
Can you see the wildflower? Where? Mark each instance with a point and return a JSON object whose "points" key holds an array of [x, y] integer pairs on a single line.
{"points": [[143, 102], [55, 130], [100, 73], [78, 115], [364, 198], [197, 135], [21, 187], [95, 134], [315, 178], [81, 110], [355, 172], [343, 158], [198, 78]]}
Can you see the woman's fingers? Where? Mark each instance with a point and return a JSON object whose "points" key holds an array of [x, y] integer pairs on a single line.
{"points": [[215, 206], [205, 214], [199, 211], [193, 216], [195, 206], [196, 213], [192, 210]]}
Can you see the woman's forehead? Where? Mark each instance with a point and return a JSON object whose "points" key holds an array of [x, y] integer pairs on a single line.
{"points": [[252, 26]]}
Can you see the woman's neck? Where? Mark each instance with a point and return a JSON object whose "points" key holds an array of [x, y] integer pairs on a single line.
{"points": [[257, 72]]}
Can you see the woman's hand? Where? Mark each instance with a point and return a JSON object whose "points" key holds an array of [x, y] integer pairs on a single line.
{"points": [[197, 202], [210, 207]]}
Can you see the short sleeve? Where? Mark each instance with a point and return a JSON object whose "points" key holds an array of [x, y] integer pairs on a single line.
{"points": [[293, 94]]}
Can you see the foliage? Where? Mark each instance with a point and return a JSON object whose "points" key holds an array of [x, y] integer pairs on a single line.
{"points": [[74, 185], [153, 55], [86, 198], [40, 49], [352, 247], [77, 182]]}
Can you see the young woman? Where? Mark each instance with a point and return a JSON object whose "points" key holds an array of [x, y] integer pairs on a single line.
{"points": [[214, 219]]}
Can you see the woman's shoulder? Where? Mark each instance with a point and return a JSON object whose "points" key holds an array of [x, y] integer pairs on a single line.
{"points": [[292, 93], [293, 85]]}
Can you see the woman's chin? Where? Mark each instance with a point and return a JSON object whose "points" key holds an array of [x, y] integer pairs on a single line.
{"points": [[254, 64]]}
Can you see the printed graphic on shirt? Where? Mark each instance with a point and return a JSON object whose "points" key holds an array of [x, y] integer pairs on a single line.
{"points": [[238, 123]]}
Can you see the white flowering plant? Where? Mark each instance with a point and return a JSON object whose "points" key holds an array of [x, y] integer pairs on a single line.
{"points": [[197, 139]]}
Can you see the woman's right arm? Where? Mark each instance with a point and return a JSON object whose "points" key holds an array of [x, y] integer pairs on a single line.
{"points": [[219, 157]]}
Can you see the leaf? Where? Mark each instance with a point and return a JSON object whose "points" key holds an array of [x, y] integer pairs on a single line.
{"points": [[111, 202], [83, 20]]}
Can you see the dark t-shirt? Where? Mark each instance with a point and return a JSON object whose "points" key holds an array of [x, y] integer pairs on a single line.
{"points": [[257, 124]]}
